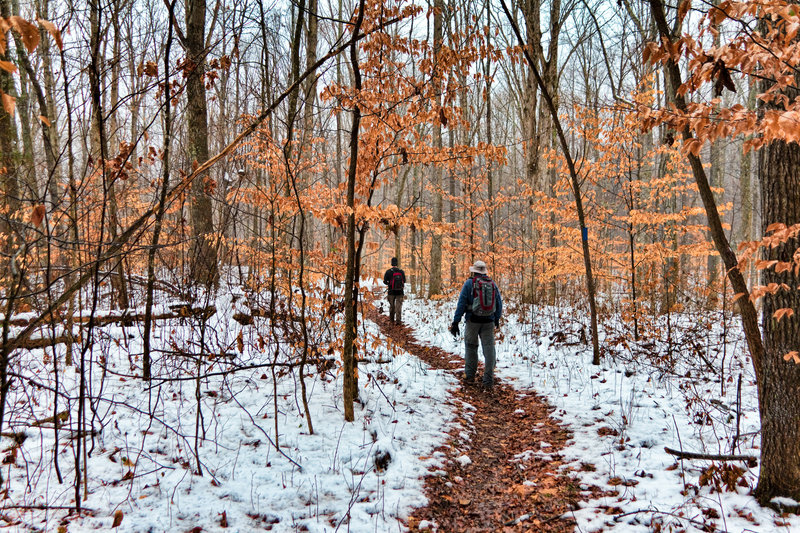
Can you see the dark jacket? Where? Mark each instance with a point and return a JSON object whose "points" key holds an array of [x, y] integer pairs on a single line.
{"points": [[388, 277], [465, 305]]}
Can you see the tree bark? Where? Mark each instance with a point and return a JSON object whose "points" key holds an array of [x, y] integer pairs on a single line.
{"points": [[100, 154], [350, 284], [487, 73], [165, 161], [435, 280], [576, 188], [779, 174], [204, 268], [766, 387], [9, 153]]}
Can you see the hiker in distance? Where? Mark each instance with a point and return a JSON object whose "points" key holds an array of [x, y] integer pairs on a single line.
{"points": [[482, 304], [395, 280]]}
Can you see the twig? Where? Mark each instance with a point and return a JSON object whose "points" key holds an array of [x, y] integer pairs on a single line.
{"points": [[295, 463], [710, 456], [683, 472], [528, 516], [704, 525]]}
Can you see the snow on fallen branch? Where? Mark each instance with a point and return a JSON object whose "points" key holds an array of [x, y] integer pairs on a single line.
{"points": [[751, 460]]}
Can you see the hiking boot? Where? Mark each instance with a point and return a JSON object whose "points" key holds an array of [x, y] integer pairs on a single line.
{"points": [[467, 382], [487, 387]]}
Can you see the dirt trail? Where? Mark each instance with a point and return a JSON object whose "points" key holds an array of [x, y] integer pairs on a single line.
{"points": [[511, 481]]}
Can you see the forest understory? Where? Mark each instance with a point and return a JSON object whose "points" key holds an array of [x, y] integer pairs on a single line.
{"points": [[559, 445], [198, 201]]}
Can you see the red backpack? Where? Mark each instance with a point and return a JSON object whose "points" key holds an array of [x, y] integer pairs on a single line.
{"points": [[483, 296], [396, 283]]}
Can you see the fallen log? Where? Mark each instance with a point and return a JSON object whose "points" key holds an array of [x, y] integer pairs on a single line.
{"points": [[49, 342], [126, 316], [749, 459], [247, 319], [63, 416]]}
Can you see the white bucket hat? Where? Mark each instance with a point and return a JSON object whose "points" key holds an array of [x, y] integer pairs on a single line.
{"points": [[479, 268]]}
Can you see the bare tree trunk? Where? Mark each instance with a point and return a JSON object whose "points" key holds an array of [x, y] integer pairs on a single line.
{"points": [[10, 204], [435, 280], [487, 73], [100, 154], [746, 180], [27, 178], [8, 146], [576, 190], [204, 267], [350, 284], [729, 259], [779, 173], [165, 159], [533, 35], [779, 379], [717, 157]]}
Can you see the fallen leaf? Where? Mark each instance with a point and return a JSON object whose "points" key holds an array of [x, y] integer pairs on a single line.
{"points": [[117, 518]]}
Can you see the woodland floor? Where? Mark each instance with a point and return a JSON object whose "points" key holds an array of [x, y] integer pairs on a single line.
{"points": [[505, 485]]}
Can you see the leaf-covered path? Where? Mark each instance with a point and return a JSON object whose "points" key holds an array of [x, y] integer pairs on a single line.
{"points": [[502, 460]]}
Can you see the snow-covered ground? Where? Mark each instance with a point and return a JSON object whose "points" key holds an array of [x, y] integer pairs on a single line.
{"points": [[626, 411], [145, 465], [143, 460]]}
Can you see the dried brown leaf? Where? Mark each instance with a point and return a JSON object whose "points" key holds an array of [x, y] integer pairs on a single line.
{"points": [[27, 31], [8, 66], [9, 103], [37, 215], [53, 31], [118, 515]]}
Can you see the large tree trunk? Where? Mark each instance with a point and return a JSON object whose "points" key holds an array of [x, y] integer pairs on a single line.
{"points": [[9, 203], [27, 170], [100, 153], [748, 313], [435, 281], [533, 35], [489, 175], [204, 267], [779, 173], [349, 391], [8, 147], [552, 103]]}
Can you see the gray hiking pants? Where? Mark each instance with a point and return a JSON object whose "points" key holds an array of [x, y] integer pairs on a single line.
{"points": [[395, 307], [484, 332]]}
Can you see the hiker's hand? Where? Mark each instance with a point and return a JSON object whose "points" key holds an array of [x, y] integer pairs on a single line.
{"points": [[454, 329], [497, 324]]}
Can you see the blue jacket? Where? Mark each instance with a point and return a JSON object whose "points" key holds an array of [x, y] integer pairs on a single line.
{"points": [[465, 303]]}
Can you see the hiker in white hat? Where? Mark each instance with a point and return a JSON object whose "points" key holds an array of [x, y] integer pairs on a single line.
{"points": [[481, 304]]}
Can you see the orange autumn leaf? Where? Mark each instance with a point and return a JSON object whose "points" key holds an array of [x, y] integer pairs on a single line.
{"points": [[27, 31], [8, 66], [4, 28], [9, 103], [53, 31], [793, 356], [37, 215]]}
